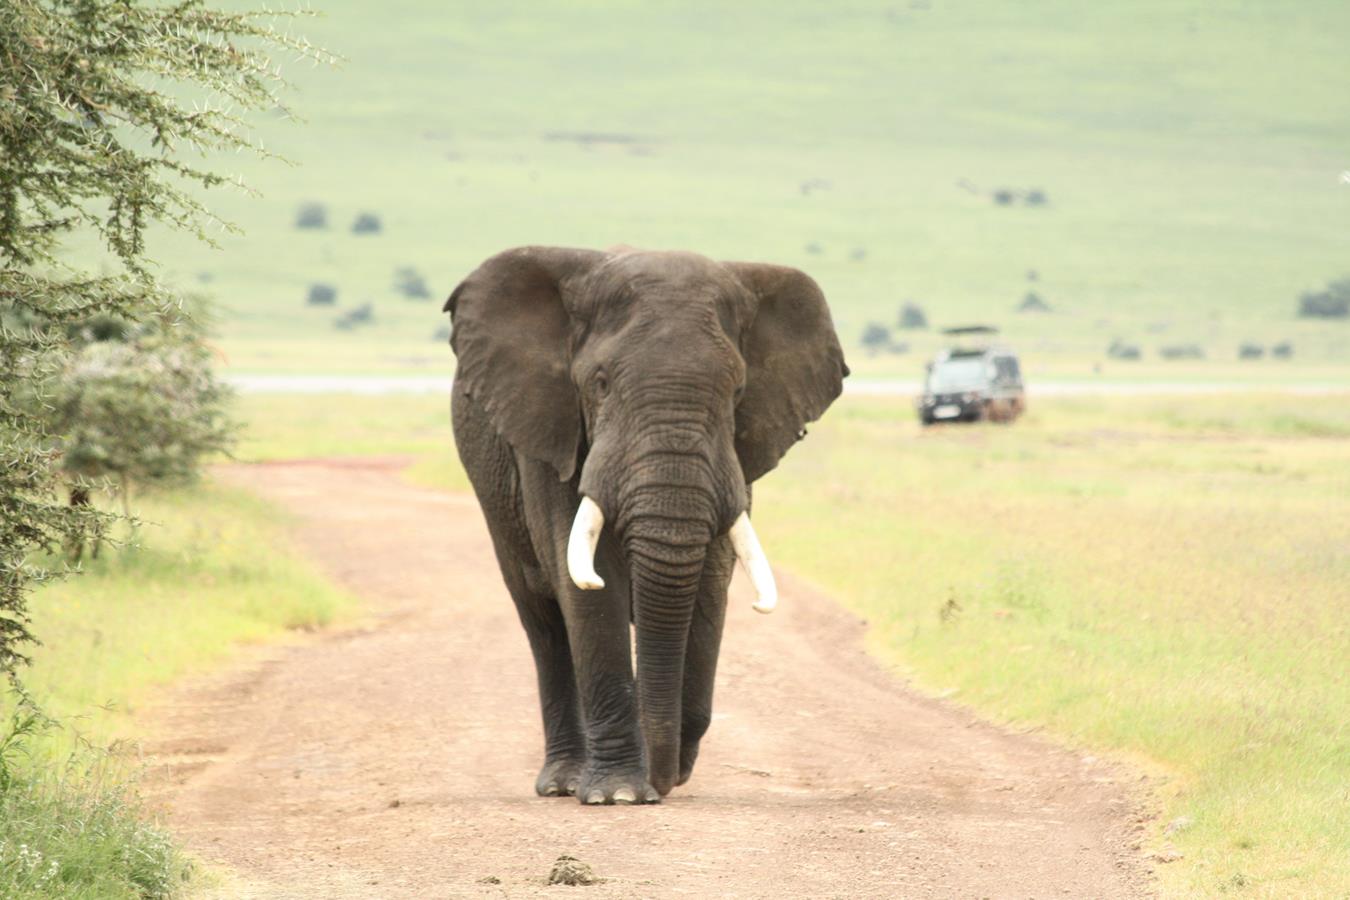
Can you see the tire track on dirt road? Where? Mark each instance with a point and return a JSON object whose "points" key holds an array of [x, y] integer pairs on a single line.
{"points": [[396, 758]]}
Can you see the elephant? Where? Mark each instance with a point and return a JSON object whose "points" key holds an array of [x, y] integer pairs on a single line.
{"points": [[611, 410]]}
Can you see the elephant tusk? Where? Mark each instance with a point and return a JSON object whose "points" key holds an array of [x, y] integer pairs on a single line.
{"points": [[581, 545], [751, 554]]}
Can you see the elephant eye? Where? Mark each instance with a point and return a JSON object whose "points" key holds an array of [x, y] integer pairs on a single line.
{"points": [[601, 382]]}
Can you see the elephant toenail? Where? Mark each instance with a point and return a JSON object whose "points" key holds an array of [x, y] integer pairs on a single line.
{"points": [[652, 796], [595, 797], [625, 795], [550, 790]]}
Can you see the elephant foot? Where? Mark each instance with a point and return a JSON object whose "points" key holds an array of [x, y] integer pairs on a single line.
{"points": [[688, 754], [558, 778], [597, 788]]}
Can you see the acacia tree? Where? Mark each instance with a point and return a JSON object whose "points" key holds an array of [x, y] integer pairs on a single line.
{"points": [[107, 111], [139, 406]]}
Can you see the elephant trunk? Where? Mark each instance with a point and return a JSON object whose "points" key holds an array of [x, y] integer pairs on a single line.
{"points": [[665, 577], [666, 493]]}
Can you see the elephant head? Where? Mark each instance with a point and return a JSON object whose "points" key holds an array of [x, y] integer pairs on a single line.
{"points": [[661, 385]]}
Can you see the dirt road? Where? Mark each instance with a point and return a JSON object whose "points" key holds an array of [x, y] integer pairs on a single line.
{"points": [[397, 758]]}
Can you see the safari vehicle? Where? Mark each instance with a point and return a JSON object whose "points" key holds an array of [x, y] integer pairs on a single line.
{"points": [[972, 383]]}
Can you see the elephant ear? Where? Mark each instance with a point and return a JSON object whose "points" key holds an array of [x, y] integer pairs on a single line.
{"points": [[512, 339], [794, 364]]}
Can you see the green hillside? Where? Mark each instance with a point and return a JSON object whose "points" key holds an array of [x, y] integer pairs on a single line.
{"points": [[1190, 157]]}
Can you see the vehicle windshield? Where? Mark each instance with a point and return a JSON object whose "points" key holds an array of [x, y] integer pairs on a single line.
{"points": [[955, 375]]}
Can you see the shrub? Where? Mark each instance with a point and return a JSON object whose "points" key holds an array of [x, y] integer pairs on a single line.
{"points": [[912, 316], [1032, 302], [311, 216], [1182, 351], [1333, 302], [858, 254], [410, 283], [1121, 350], [321, 295], [1008, 196], [367, 223], [139, 411], [1282, 350], [815, 248], [352, 318], [1251, 351], [876, 338], [75, 830]]}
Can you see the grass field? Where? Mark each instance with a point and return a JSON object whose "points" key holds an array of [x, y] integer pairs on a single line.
{"points": [[212, 569], [1190, 152], [1160, 580]]}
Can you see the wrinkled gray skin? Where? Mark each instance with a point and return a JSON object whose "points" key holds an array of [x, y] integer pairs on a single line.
{"points": [[660, 385]]}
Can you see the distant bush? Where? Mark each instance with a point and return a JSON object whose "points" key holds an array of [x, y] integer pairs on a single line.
{"points": [[410, 283], [352, 318], [321, 295], [1032, 302], [912, 316], [1331, 303], [367, 223], [1121, 350], [312, 216], [1251, 351], [814, 248], [442, 334], [876, 338], [1008, 196], [140, 410], [858, 254], [1182, 351], [1282, 350]]}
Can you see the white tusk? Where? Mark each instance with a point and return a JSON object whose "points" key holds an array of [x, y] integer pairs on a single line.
{"points": [[581, 545], [751, 554]]}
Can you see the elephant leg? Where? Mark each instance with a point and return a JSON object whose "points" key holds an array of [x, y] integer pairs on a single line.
{"points": [[705, 640], [495, 475], [564, 738], [598, 630]]}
